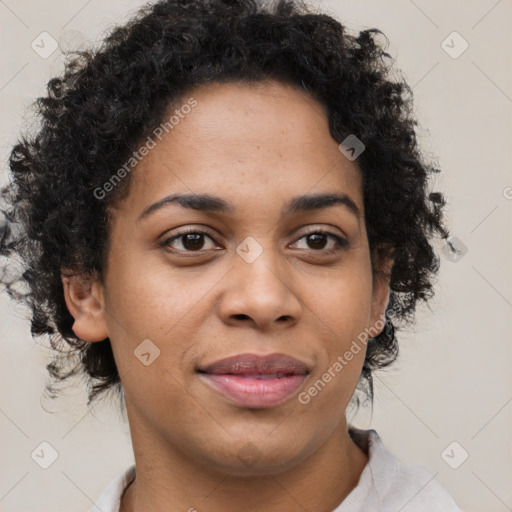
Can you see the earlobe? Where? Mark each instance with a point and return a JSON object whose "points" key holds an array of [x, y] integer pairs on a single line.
{"points": [[84, 300]]}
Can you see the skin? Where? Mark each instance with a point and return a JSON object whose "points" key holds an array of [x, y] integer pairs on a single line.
{"points": [[256, 146]]}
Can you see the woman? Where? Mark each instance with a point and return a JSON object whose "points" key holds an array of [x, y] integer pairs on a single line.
{"points": [[225, 214]]}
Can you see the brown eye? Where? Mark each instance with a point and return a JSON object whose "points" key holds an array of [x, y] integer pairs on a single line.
{"points": [[193, 241], [318, 240], [190, 241]]}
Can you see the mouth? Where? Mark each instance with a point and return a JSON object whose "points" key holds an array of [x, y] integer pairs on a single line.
{"points": [[254, 381]]}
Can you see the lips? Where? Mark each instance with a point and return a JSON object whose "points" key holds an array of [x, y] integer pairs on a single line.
{"points": [[251, 380], [254, 365]]}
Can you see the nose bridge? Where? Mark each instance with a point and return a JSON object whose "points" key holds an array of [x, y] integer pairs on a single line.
{"points": [[260, 289], [258, 269]]}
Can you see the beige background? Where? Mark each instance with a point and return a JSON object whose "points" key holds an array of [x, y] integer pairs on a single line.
{"points": [[453, 379]]}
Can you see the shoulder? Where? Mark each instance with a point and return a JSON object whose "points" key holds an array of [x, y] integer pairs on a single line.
{"points": [[398, 486], [110, 499]]}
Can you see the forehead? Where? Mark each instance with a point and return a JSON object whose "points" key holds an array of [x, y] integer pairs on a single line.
{"points": [[267, 140]]}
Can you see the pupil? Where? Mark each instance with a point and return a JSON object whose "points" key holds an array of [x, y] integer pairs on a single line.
{"points": [[193, 241], [315, 238]]}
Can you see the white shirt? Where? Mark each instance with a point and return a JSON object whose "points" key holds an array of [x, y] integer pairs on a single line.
{"points": [[385, 485]]}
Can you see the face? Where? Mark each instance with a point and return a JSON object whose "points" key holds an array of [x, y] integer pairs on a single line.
{"points": [[279, 287]]}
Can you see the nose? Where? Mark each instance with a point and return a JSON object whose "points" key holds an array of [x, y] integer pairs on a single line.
{"points": [[260, 294]]}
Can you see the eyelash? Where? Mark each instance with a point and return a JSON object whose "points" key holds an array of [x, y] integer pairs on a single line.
{"points": [[341, 241]]}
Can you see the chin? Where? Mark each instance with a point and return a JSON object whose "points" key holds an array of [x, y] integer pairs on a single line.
{"points": [[260, 455]]}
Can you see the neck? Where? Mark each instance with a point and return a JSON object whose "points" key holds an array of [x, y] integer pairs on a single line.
{"points": [[168, 481]]}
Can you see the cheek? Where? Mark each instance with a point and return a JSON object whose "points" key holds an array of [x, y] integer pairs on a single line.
{"points": [[344, 310], [145, 295], [343, 319], [147, 301], [344, 305], [149, 313]]}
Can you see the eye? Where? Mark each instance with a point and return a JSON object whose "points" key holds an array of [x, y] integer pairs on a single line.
{"points": [[190, 240], [318, 240], [194, 240]]}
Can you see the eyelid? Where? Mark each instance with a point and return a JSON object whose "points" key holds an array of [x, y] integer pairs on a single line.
{"points": [[341, 240], [165, 240], [321, 228]]}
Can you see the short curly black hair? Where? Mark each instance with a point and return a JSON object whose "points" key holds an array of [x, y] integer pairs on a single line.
{"points": [[109, 99]]}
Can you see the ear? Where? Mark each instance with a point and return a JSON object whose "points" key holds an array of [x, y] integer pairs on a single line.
{"points": [[383, 263], [84, 299]]}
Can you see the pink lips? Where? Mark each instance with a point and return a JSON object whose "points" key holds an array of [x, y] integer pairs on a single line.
{"points": [[256, 381]]}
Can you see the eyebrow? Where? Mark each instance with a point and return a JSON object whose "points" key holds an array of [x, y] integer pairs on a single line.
{"points": [[213, 204]]}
